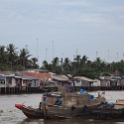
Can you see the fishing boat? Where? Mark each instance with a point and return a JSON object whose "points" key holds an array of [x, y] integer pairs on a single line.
{"points": [[109, 110], [63, 106]]}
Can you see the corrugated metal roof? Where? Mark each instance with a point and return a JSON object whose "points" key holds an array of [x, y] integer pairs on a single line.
{"points": [[24, 77], [84, 78], [29, 77], [60, 77]]}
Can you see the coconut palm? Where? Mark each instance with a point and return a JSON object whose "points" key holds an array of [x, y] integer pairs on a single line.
{"points": [[3, 56], [66, 63], [24, 57], [97, 64], [46, 65], [77, 58], [11, 52], [34, 61], [84, 60], [55, 64]]}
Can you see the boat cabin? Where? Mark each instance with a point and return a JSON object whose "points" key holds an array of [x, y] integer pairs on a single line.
{"points": [[71, 99]]}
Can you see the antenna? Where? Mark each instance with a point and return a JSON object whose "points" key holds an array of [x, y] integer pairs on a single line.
{"points": [[53, 48], [46, 54], [108, 56], [37, 50]]}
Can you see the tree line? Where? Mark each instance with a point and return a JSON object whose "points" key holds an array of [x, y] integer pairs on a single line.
{"points": [[82, 66], [13, 60]]}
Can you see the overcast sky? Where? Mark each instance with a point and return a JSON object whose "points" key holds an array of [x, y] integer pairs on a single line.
{"points": [[64, 28]]}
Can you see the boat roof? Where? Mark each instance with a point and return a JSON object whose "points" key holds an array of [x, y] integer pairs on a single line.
{"points": [[54, 94]]}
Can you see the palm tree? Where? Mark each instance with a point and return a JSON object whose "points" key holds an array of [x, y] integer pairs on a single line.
{"points": [[77, 61], [45, 65], [97, 64], [77, 58], [34, 61], [84, 60], [3, 55], [24, 57], [55, 64], [11, 51], [66, 63]]}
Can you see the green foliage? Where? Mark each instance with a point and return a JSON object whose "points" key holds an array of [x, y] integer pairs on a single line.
{"points": [[13, 60], [104, 74], [80, 66], [87, 72], [18, 67], [1, 111]]}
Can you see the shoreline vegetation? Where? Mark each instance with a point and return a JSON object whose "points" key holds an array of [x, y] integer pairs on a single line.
{"points": [[12, 59]]}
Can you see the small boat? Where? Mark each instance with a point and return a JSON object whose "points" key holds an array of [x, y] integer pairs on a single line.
{"points": [[31, 112], [36, 112], [109, 110], [58, 105]]}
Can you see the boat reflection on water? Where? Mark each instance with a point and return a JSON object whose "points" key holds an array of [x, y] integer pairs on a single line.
{"points": [[32, 121], [71, 121], [42, 121]]}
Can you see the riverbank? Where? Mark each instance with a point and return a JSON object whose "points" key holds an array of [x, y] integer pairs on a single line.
{"points": [[27, 90]]}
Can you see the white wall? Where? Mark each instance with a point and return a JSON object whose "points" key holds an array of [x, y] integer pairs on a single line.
{"points": [[13, 82]]}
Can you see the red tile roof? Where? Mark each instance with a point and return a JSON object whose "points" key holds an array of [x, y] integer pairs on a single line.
{"points": [[40, 76]]}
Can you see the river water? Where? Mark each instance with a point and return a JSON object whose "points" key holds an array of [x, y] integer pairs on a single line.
{"points": [[11, 115]]}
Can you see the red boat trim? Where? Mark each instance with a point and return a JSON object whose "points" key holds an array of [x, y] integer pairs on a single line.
{"points": [[19, 106]]}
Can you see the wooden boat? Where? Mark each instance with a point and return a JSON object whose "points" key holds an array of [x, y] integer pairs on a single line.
{"points": [[31, 112], [59, 105], [109, 111]]}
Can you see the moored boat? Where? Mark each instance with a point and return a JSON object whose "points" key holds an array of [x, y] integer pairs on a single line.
{"points": [[109, 111], [31, 112], [63, 105]]}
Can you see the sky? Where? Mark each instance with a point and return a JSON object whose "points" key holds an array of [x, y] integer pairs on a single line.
{"points": [[64, 28]]}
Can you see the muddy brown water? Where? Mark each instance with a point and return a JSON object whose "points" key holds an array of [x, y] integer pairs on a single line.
{"points": [[11, 115]]}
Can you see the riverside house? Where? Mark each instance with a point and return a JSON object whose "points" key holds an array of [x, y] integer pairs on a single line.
{"points": [[86, 82], [18, 81], [2, 81], [41, 75], [60, 80]]}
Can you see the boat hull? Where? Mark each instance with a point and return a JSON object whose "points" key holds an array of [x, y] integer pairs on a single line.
{"points": [[32, 113], [56, 112], [104, 113]]}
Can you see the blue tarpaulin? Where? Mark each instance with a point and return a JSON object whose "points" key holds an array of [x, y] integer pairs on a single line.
{"points": [[91, 96], [110, 105], [81, 91]]}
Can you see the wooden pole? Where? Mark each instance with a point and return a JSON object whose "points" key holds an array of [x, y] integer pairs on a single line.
{"points": [[5, 85]]}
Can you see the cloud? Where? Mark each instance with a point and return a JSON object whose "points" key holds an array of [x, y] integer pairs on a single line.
{"points": [[70, 22], [55, 11], [76, 3]]}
